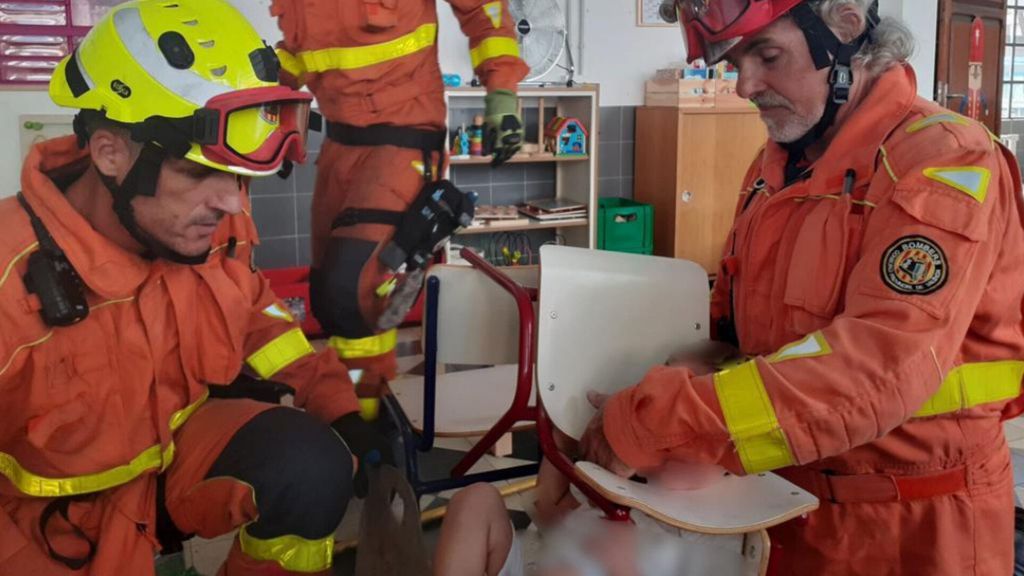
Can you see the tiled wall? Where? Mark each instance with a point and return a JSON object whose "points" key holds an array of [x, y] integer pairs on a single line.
{"points": [[281, 208]]}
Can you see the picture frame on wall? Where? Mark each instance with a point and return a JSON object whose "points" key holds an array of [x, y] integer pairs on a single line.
{"points": [[648, 14]]}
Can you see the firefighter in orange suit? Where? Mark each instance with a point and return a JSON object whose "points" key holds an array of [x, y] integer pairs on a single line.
{"points": [[373, 67], [872, 279], [120, 311]]}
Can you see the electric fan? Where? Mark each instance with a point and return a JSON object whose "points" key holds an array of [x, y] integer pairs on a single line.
{"points": [[541, 31]]}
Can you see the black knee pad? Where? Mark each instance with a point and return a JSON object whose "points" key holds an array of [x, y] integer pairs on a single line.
{"points": [[299, 468], [334, 288]]}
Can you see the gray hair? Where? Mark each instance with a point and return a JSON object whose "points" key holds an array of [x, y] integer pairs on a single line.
{"points": [[891, 43]]}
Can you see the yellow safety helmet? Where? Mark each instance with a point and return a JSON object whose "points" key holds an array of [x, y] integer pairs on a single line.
{"points": [[192, 76]]}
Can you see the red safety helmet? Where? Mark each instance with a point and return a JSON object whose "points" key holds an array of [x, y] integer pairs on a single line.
{"points": [[713, 27]]}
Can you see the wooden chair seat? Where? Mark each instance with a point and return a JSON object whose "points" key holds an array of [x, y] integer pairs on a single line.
{"points": [[468, 402]]}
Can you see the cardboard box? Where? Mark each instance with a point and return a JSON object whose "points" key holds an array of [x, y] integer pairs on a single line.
{"points": [[680, 93], [718, 93]]}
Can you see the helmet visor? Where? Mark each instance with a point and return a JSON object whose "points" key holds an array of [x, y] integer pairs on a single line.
{"points": [[714, 16], [259, 129]]}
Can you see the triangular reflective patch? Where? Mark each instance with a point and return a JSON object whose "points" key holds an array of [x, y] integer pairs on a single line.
{"points": [[493, 11], [945, 117], [813, 345], [275, 311], [971, 180]]}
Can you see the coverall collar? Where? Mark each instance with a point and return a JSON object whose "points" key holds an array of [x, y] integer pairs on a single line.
{"points": [[106, 268], [859, 138]]}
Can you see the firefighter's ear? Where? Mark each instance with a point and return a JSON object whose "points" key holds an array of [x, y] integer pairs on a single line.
{"points": [[847, 21], [113, 152]]}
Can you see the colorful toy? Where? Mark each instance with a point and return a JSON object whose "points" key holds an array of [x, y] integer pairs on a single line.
{"points": [[566, 136]]}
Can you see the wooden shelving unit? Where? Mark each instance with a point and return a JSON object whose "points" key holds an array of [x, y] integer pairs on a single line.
{"points": [[575, 176]]}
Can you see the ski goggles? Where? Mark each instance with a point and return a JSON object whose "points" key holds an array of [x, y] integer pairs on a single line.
{"points": [[255, 130]]}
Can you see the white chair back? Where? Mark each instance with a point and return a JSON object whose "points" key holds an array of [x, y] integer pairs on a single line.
{"points": [[605, 318]]}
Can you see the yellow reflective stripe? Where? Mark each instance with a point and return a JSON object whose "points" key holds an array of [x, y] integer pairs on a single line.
{"points": [[936, 119], [348, 349], [751, 419], [293, 553], [14, 261], [493, 47], [152, 458], [279, 353], [972, 385], [24, 347], [34, 485], [181, 416], [289, 63], [356, 57], [888, 167]]}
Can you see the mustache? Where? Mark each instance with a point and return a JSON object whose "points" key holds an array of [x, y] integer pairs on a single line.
{"points": [[211, 219], [771, 100]]}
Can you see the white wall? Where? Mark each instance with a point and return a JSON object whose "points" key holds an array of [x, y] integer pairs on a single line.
{"points": [[614, 52]]}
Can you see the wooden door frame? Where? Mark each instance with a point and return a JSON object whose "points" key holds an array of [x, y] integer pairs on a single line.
{"points": [[991, 8]]}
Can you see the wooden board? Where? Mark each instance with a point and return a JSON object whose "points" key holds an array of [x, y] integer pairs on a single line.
{"points": [[606, 318], [469, 403], [734, 505]]}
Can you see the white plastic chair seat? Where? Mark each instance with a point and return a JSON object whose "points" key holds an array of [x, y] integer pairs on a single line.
{"points": [[468, 403]]}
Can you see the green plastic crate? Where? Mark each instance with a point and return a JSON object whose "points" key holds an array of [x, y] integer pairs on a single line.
{"points": [[625, 226]]}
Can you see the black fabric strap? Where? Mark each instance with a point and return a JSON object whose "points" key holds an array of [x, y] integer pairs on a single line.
{"points": [[74, 77], [60, 505], [827, 50], [46, 242], [385, 135]]}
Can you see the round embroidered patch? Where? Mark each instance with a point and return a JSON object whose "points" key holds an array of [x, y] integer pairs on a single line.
{"points": [[914, 265]]}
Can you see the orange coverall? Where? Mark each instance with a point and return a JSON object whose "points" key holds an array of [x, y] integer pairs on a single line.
{"points": [[103, 406], [884, 330], [372, 62]]}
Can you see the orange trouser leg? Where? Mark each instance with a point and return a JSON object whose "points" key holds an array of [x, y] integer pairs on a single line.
{"points": [[347, 273], [277, 474]]}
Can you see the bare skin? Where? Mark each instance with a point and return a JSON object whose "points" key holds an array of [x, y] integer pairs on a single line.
{"points": [[190, 201], [476, 537]]}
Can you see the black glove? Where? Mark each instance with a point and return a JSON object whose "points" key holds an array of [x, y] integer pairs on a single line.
{"points": [[366, 444]]}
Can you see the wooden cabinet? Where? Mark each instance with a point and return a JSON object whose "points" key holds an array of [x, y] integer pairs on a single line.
{"points": [[690, 165]]}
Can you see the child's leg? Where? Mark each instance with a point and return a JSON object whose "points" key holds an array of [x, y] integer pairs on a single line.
{"points": [[476, 536]]}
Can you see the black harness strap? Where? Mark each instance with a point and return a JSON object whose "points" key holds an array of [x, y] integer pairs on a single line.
{"points": [[60, 505]]}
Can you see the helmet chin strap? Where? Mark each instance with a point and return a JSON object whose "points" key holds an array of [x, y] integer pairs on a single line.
{"points": [[827, 51], [141, 180]]}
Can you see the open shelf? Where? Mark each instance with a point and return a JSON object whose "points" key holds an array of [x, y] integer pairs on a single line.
{"points": [[518, 160], [533, 225]]}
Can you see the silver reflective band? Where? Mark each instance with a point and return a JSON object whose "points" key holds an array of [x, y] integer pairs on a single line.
{"points": [[185, 83]]}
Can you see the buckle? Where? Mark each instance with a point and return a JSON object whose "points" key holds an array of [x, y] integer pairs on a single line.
{"points": [[841, 80]]}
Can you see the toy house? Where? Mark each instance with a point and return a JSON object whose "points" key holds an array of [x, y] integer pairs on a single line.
{"points": [[566, 137]]}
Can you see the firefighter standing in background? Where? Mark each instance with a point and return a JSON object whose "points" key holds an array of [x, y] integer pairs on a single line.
{"points": [[373, 67]]}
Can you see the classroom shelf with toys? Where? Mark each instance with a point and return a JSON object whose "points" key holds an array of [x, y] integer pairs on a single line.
{"points": [[562, 133]]}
